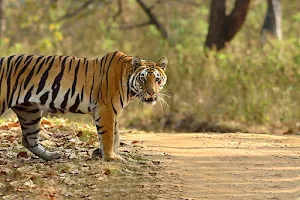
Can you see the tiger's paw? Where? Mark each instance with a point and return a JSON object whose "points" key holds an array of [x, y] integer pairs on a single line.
{"points": [[97, 154], [51, 155], [115, 158]]}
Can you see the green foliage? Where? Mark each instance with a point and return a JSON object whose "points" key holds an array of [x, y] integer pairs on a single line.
{"points": [[247, 82]]}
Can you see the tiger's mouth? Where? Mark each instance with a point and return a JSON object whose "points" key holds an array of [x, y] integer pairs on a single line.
{"points": [[150, 100]]}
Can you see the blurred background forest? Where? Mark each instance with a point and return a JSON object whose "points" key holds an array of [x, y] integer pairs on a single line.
{"points": [[248, 83]]}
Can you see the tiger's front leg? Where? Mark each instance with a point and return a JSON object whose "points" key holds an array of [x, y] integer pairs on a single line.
{"points": [[106, 127]]}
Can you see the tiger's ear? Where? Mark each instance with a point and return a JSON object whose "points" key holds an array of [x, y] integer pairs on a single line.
{"points": [[162, 63], [136, 62]]}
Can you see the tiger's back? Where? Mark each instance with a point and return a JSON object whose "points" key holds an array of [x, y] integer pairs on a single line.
{"points": [[52, 82]]}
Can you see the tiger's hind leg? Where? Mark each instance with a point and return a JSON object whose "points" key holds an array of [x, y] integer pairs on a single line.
{"points": [[29, 116]]}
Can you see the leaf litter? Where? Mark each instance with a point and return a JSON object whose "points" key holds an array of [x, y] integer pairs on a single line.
{"points": [[76, 175]]}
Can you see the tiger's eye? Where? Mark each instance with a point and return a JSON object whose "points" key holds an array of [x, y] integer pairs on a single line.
{"points": [[142, 78]]}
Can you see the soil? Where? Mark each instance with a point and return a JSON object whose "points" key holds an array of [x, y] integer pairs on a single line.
{"points": [[177, 166], [229, 166]]}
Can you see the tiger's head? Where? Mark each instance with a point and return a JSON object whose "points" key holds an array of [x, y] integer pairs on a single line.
{"points": [[148, 79]]}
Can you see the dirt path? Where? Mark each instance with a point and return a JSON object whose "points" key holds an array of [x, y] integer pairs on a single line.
{"points": [[227, 166]]}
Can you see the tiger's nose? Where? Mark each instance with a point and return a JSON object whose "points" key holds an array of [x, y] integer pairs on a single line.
{"points": [[151, 92]]}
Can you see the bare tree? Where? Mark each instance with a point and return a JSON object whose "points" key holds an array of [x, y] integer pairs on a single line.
{"points": [[272, 23], [152, 20], [222, 27]]}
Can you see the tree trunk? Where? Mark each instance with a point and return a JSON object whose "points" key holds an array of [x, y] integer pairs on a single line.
{"points": [[223, 28], [272, 23]]}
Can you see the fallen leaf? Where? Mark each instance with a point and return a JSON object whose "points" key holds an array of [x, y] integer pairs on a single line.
{"points": [[51, 173], [59, 144], [2, 172], [19, 189], [33, 177], [22, 154], [74, 171], [107, 172], [79, 134], [134, 142], [9, 125], [156, 162], [30, 184], [46, 121]]}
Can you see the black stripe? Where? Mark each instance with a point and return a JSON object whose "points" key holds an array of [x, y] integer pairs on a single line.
{"points": [[48, 58], [22, 127], [101, 133], [91, 91], [102, 72], [28, 94], [82, 92], [18, 61], [1, 61], [3, 107], [52, 108], [41, 65], [21, 118], [8, 82], [121, 58], [86, 67], [121, 101], [98, 119], [99, 127], [8, 64], [44, 98], [75, 79], [56, 84], [27, 62], [122, 84], [128, 90], [33, 110], [44, 77], [33, 122], [61, 110], [20, 108], [79, 111], [108, 71], [70, 65], [32, 133], [76, 104], [114, 108], [31, 73], [26, 104], [65, 101]]}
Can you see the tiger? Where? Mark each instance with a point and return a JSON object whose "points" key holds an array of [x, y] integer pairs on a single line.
{"points": [[31, 85]]}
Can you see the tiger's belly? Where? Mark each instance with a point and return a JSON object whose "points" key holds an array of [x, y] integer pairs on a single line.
{"points": [[62, 103]]}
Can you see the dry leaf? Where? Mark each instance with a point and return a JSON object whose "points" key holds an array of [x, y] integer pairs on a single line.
{"points": [[19, 189], [46, 122], [9, 125], [33, 177], [79, 134], [22, 154]]}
